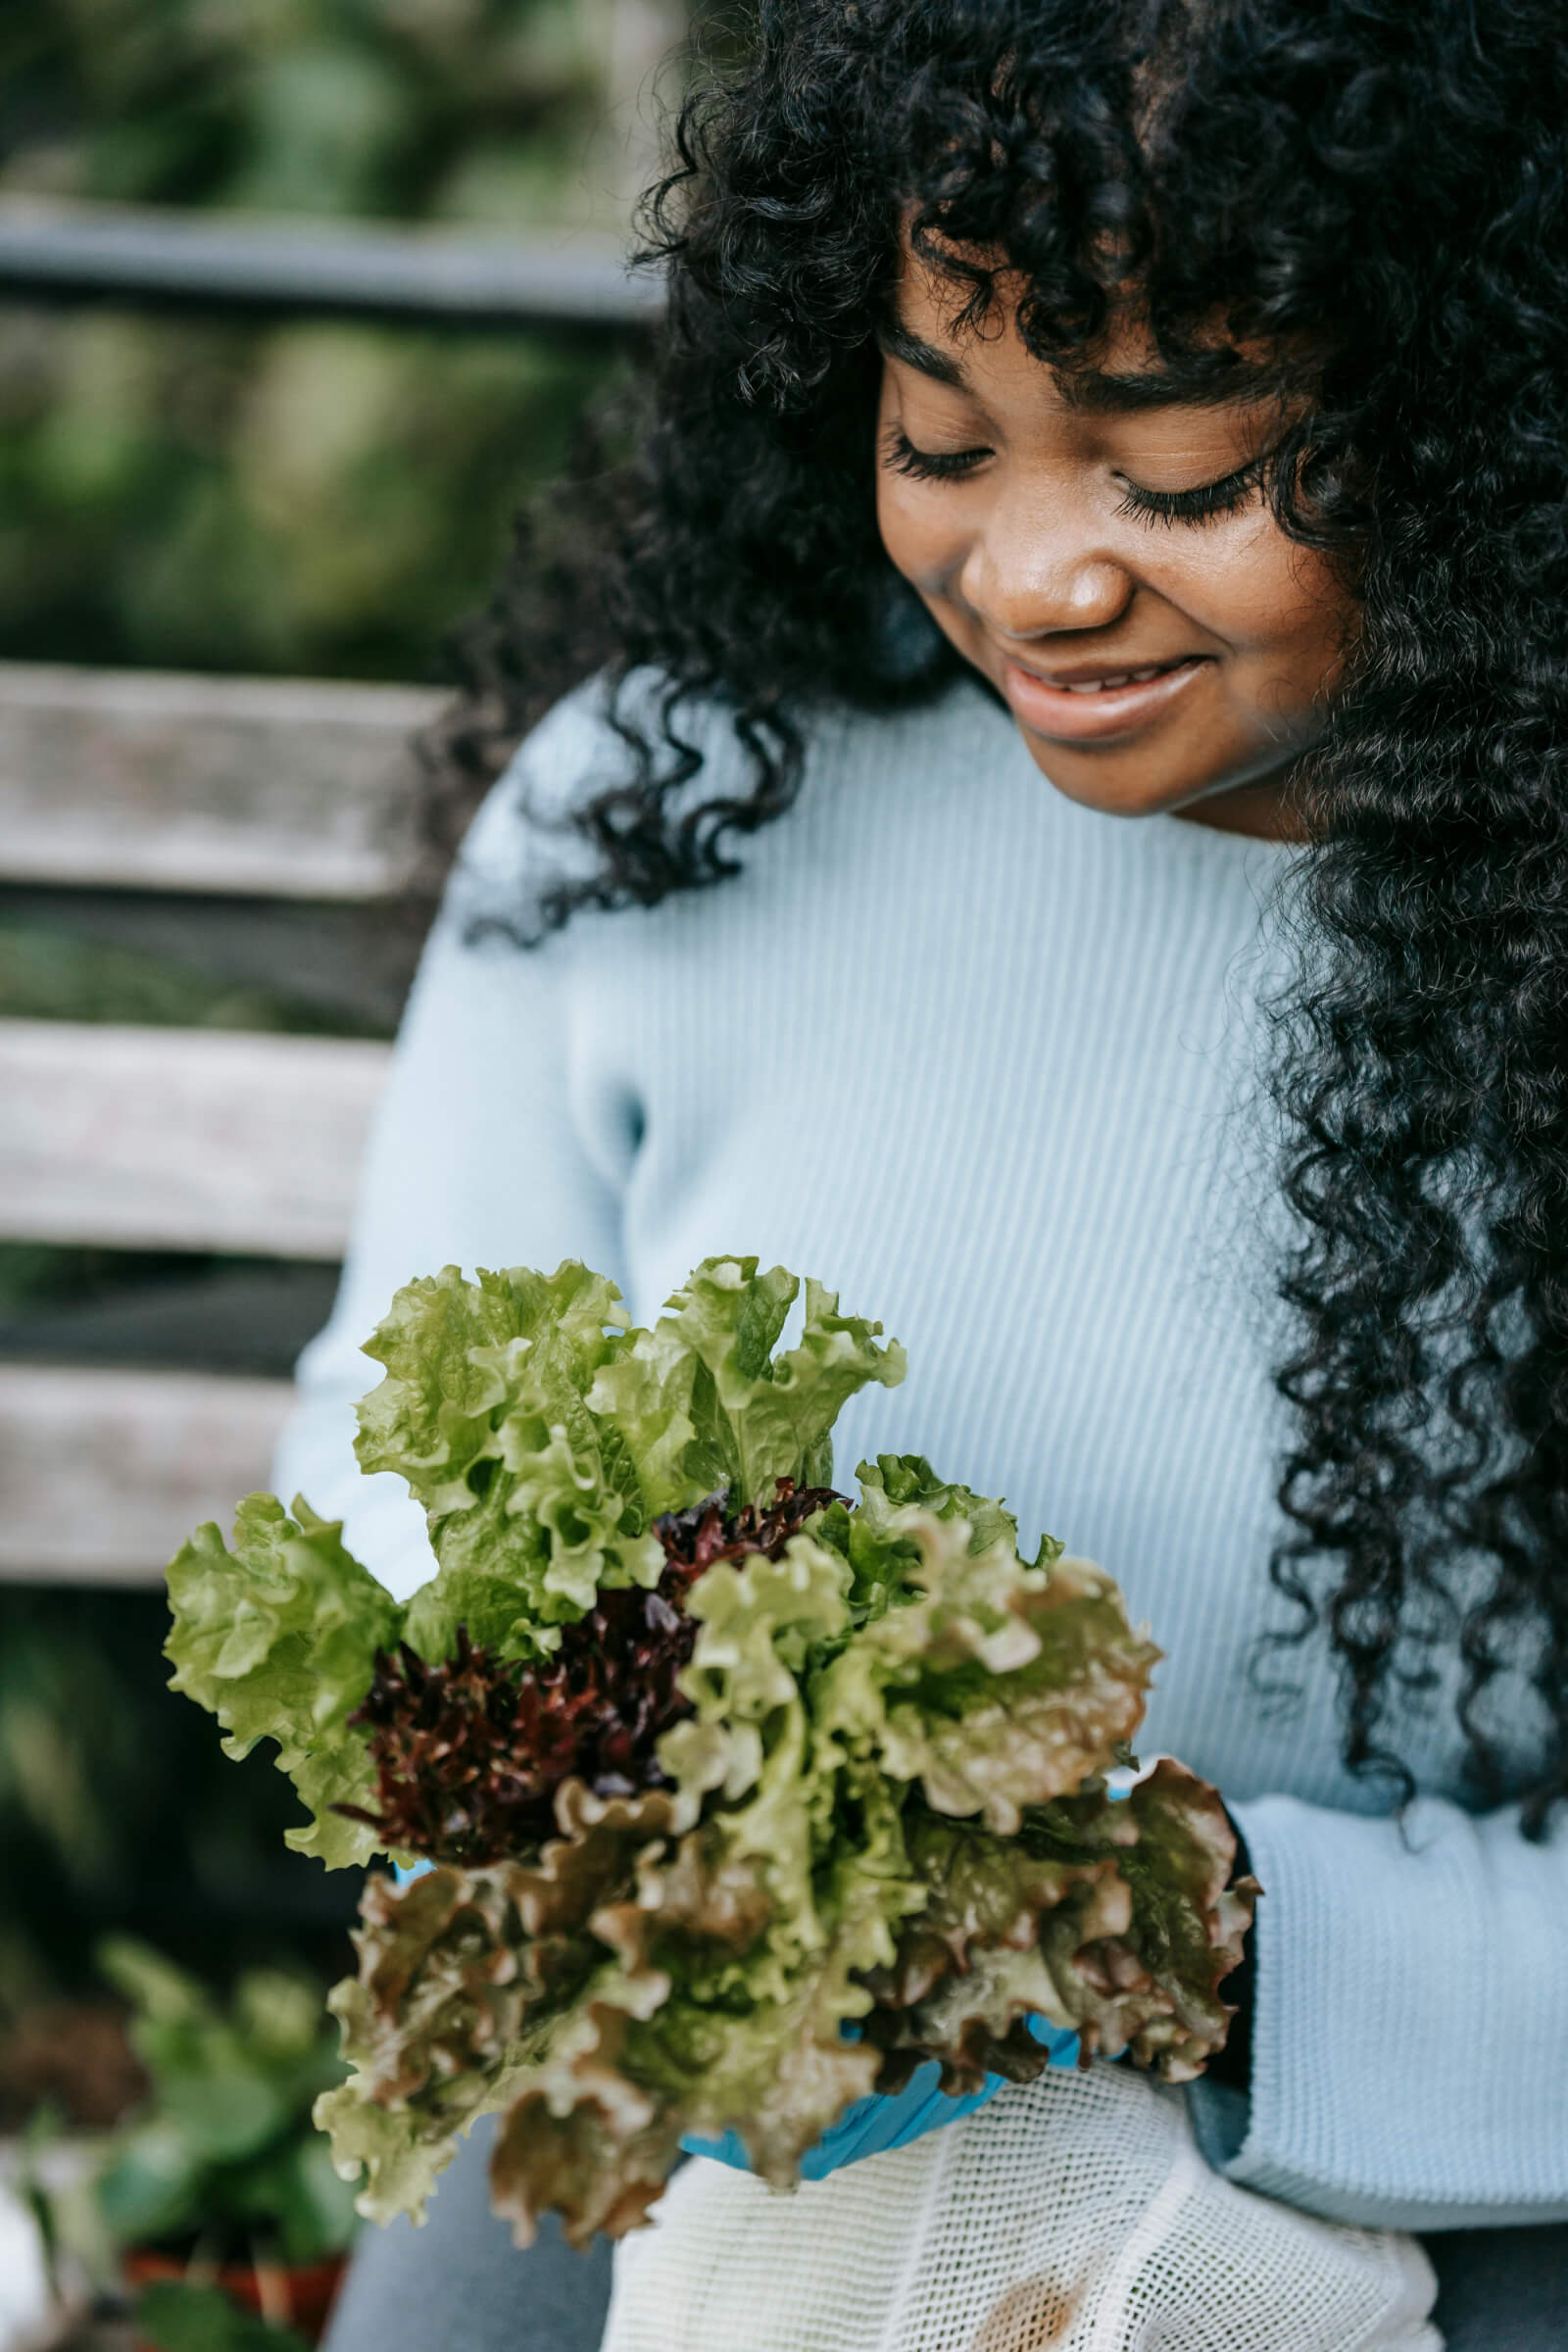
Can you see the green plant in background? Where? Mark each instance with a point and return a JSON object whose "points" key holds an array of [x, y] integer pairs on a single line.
{"points": [[223, 2157], [173, 2316], [116, 1809], [309, 498], [313, 498], [445, 109]]}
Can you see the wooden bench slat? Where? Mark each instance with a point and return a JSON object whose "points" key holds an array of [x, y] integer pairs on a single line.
{"points": [[176, 1138], [71, 247], [106, 1472], [353, 962], [254, 787]]}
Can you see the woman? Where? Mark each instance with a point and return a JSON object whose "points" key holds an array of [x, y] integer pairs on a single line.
{"points": [[1072, 412]]}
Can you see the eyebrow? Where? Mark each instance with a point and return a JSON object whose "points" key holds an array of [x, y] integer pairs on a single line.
{"points": [[894, 340], [1092, 390]]}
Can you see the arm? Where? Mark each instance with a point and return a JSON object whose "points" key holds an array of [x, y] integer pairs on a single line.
{"points": [[481, 1154], [1408, 2019]]}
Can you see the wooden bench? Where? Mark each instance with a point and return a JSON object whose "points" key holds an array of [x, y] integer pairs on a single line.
{"points": [[257, 829], [238, 817]]}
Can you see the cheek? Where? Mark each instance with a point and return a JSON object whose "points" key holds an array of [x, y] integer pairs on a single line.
{"points": [[919, 531], [1272, 602], [1284, 618]]}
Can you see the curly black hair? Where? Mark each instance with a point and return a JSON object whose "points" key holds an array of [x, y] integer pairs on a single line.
{"points": [[1375, 191]]}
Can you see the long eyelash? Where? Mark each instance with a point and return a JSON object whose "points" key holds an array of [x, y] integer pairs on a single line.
{"points": [[1202, 505], [900, 456]]}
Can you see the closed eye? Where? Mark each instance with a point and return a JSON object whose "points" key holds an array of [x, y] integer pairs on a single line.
{"points": [[900, 456], [1226, 496], [1205, 502]]}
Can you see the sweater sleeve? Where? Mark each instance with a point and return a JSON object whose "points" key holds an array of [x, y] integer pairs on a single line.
{"points": [[482, 1153], [1410, 2019]]}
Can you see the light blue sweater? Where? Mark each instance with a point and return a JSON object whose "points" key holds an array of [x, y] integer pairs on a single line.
{"points": [[986, 1062]]}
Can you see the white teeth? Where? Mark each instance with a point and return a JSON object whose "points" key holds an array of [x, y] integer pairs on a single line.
{"points": [[1124, 677]]}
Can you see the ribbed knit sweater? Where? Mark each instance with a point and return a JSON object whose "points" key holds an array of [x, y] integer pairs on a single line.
{"points": [[987, 1063]]}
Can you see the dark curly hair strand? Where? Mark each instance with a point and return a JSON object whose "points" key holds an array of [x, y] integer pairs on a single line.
{"points": [[1374, 191]]}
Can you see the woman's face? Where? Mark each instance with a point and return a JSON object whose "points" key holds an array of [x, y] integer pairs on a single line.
{"points": [[1097, 547]]}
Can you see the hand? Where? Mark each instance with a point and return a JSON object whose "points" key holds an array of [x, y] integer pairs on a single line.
{"points": [[876, 2124], [1233, 2065]]}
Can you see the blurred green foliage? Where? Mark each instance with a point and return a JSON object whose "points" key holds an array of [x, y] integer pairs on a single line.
{"points": [[50, 975], [458, 110], [119, 1811], [223, 2148], [314, 498], [176, 2317]]}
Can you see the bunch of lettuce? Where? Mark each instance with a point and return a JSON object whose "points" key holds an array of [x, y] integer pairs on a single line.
{"points": [[744, 1799]]}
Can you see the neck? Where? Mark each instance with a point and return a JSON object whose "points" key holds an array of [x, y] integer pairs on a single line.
{"points": [[1264, 810]]}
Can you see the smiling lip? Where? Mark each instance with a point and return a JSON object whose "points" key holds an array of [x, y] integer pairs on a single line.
{"points": [[1096, 701]]}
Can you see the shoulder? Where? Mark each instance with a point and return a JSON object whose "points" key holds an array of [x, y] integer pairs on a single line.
{"points": [[524, 821], [524, 837]]}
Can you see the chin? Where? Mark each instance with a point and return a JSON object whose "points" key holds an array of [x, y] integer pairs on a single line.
{"points": [[1115, 790]]}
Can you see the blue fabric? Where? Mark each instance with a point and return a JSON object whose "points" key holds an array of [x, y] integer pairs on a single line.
{"points": [[876, 2124]]}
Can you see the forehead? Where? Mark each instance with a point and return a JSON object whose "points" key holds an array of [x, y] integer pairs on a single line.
{"points": [[930, 327]]}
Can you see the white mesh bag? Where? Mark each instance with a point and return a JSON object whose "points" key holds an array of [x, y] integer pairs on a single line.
{"points": [[1074, 2212]]}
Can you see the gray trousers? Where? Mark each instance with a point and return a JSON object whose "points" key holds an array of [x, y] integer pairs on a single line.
{"points": [[459, 2284]]}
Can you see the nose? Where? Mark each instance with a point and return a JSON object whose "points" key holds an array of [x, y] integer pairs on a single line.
{"points": [[1026, 577]]}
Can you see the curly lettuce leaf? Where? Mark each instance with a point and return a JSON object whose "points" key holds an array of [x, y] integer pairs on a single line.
{"points": [[453, 1350], [642, 1402], [595, 2129], [969, 1970], [1001, 1687], [778, 2071], [483, 1411], [759, 1417], [897, 1482], [1149, 1982], [277, 1637], [822, 1830], [875, 1537], [463, 1973], [1116, 1919], [582, 2137], [516, 1988], [760, 1621], [543, 1437], [700, 2027]]}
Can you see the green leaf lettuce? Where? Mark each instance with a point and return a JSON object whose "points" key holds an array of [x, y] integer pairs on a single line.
{"points": [[880, 1834], [277, 1637]]}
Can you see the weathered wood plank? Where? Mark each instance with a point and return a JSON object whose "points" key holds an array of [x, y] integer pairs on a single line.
{"points": [[153, 780], [176, 1138], [71, 250], [105, 1473], [351, 963]]}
